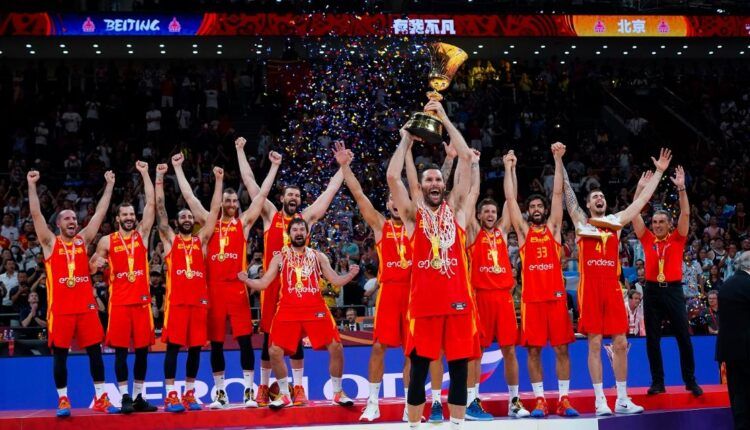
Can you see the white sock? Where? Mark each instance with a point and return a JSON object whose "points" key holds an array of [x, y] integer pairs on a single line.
{"points": [[123, 388], [456, 423], [219, 381], [374, 391], [476, 389], [265, 376], [436, 396], [169, 388], [563, 387], [297, 375], [622, 389], [336, 382], [470, 395], [137, 389], [283, 386], [249, 377], [189, 386], [406, 396], [538, 388], [62, 392], [512, 391], [99, 389], [599, 391]]}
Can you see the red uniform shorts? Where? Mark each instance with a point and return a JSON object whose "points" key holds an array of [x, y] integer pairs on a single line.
{"points": [[128, 322], [269, 299], [391, 324], [236, 308], [288, 334], [456, 335], [602, 307], [85, 328], [543, 322], [497, 317], [185, 325]]}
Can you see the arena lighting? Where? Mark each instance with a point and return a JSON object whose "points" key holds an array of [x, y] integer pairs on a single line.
{"points": [[98, 52], [128, 45], [567, 52], [475, 52], [513, 46], [653, 52], [95, 45], [481, 46], [195, 45], [605, 46], [679, 53], [684, 46], [562, 62], [163, 52], [219, 46], [598, 52], [536, 52], [28, 45], [710, 52], [195, 52], [505, 52], [741, 52], [130, 52], [572, 47], [218, 52], [258, 52], [515, 62], [624, 52], [62, 45], [161, 45], [543, 46], [635, 46], [719, 46], [32, 52], [662, 46], [65, 52]]}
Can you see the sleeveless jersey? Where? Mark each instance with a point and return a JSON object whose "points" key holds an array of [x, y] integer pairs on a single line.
{"points": [[224, 269], [598, 257], [121, 290], [61, 297], [300, 298], [484, 274], [442, 291], [393, 248], [182, 289], [541, 273]]}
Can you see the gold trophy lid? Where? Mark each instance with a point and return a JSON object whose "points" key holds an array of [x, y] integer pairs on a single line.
{"points": [[445, 60]]}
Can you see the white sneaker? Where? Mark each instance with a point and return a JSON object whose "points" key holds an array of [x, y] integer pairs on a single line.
{"points": [[250, 399], [221, 401], [626, 406], [602, 409], [341, 399], [516, 409], [371, 412]]}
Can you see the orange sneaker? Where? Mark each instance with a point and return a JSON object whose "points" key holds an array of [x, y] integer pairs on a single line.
{"points": [[172, 403], [540, 411], [263, 398], [63, 407], [299, 397], [189, 402], [564, 409], [102, 404]]}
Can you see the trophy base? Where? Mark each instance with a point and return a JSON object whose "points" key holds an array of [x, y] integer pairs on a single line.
{"points": [[426, 127]]}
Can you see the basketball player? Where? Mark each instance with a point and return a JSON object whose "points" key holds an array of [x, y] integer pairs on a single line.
{"points": [[130, 318], [544, 311], [600, 296], [301, 309], [186, 301], [72, 311], [441, 309], [394, 274], [228, 297], [275, 237]]}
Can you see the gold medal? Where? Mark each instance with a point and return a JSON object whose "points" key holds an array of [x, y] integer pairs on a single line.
{"points": [[70, 257], [404, 264], [189, 274], [661, 277], [222, 257], [131, 277], [71, 282], [299, 285], [436, 263], [496, 270]]}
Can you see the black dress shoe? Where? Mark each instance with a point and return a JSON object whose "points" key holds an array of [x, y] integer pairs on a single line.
{"points": [[695, 389], [656, 388]]}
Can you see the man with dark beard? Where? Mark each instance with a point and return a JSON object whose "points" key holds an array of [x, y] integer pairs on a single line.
{"points": [[70, 294], [600, 297], [301, 309], [130, 318], [228, 297], [441, 308], [394, 273], [276, 238], [186, 302], [544, 311]]}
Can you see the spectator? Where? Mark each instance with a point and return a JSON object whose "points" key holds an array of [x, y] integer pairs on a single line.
{"points": [[350, 323], [19, 295], [158, 291], [71, 121], [692, 276], [33, 313], [637, 326], [9, 229], [9, 279], [101, 293], [711, 314], [153, 123], [640, 281], [371, 290]]}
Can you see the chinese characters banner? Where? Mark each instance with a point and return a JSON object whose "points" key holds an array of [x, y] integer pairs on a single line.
{"points": [[630, 26]]}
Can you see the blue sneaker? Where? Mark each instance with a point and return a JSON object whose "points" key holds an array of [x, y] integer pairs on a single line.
{"points": [[172, 403], [63, 407], [565, 409], [102, 404], [475, 412], [189, 402], [540, 410], [436, 413]]}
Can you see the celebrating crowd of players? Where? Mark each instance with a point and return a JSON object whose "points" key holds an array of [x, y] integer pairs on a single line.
{"points": [[444, 274]]}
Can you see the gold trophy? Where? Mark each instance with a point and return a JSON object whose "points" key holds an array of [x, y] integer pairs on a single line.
{"points": [[445, 60]]}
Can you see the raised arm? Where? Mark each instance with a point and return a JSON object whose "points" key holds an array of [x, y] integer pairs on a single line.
{"points": [[463, 169], [371, 215], [556, 209], [162, 219], [259, 200], [634, 209], [199, 212], [412, 176], [683, 222], [470, 202], [147, 221], [393, 175], [577, 214], [89, 232], [248, 178], [450, 155], [207, 229], [639, 226], [316, 211], [43, 233], [331, 275], [511, 199], [261, 284]]}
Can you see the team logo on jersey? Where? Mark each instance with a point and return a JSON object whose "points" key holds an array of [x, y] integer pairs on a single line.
{"points": [[320, 315], [601, 262], [459, 306], [558, 294], [144, 298], [204, 301], [91, 306], [78, 241]]}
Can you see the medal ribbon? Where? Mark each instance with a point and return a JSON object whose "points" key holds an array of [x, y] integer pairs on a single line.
{"points": [[223, 236], [661, 254], [70, 257], [493, 247], [400, 248], [188, 255], [130, 252]]}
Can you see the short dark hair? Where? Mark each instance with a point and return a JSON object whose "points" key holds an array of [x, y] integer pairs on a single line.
{"points": [[662, 212], [631, 293], [292, 186], [295, 221], [229, 190], [592, 191], [713, 293], [533, 197], [488, 201], [124, 205], [430, 166]]}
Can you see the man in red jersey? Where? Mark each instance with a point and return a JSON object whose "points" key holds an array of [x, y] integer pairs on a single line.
{"points": [[228, 297], [186, 301], [544, 311], [130, 318], [275, 238], [441, 308], [600, 297], [71, 309], [394, 274], [301, 309]]}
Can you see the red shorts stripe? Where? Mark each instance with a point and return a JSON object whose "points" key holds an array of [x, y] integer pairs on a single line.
{"points": [[391, 324], [85, 328], [130, 322]]}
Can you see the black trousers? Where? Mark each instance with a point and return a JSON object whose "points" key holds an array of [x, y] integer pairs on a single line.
{"points": [[661, 303], [738, 381]]}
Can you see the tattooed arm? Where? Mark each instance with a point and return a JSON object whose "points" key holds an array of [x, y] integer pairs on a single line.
{"points": [[577, 214], [162, 220]]}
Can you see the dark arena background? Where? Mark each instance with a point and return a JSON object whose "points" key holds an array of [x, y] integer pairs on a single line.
{"points": [[90, 86]]}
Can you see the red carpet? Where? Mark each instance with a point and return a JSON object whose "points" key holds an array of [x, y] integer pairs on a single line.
{"points": [[676, 398]]}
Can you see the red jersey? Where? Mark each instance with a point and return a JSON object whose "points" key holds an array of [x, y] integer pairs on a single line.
{"points": [[490, 264], [128, 270], [186, 273], [224, 269], [299, 296], [69, 289], [669, 249], [598, 257], [541, 273], [394, 255], [443, 290]]}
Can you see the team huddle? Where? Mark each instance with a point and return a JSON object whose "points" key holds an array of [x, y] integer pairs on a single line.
{"points": [[444, 274]]}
